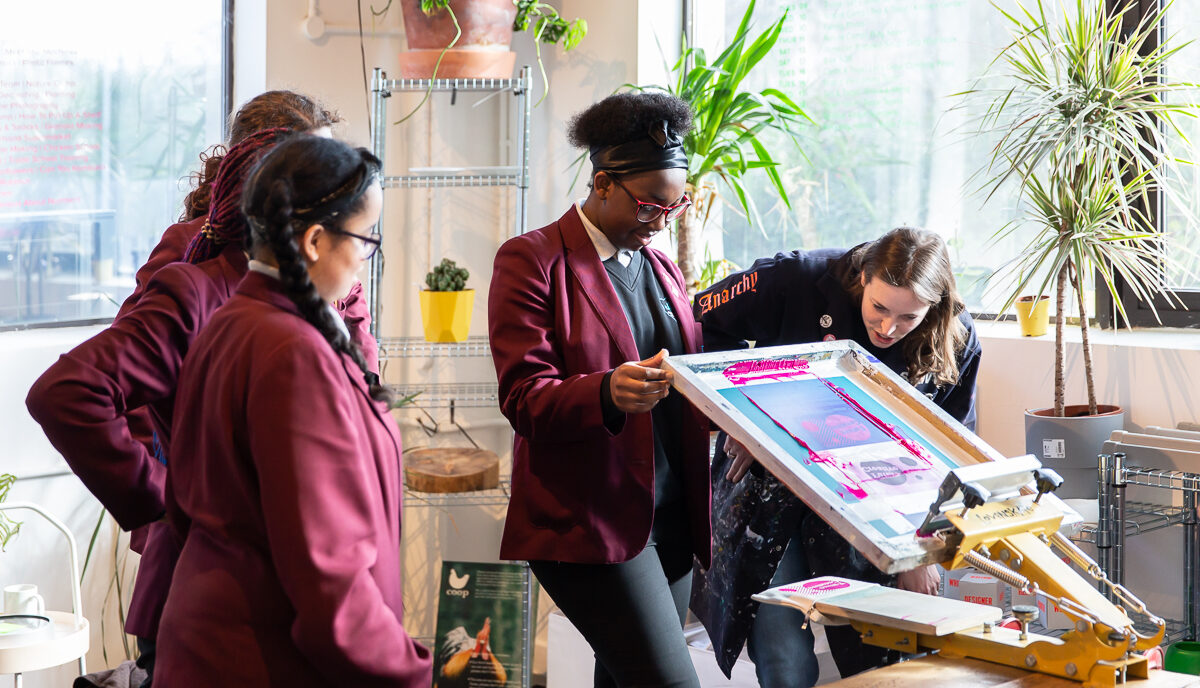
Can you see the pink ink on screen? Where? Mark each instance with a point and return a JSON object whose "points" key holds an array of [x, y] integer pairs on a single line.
{"points": [[825, 585], [822, 417]]}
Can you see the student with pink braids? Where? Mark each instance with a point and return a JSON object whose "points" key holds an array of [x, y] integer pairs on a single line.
{"points": [[285, 109], [83, 401], [280, 108]]}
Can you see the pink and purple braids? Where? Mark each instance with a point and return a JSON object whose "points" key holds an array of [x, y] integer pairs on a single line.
{"points": [[225, 223]]}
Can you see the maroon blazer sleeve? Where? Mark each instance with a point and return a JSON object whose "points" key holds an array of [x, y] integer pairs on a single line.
{"points": [[320, 517], [170, 249], [542, 399], [81, 402], [357, 315]]}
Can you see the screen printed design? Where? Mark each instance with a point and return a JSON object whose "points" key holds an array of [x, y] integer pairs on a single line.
{"points": [[841, 436]]}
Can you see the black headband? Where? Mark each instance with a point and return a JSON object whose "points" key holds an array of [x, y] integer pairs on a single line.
{"points": [[659, 150]]}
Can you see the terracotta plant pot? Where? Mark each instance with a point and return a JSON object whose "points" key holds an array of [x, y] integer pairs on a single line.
{"points": [[1070, 444], [482, 52], [446, 315], [1033, 317]]}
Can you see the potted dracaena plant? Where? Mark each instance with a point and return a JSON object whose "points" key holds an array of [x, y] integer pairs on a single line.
{"points": [[446, 303], [727, 141], [1084, 131]]}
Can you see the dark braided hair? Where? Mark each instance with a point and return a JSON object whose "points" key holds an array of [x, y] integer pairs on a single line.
{"points": [[225, 223], [303, 181], [269, 110]]}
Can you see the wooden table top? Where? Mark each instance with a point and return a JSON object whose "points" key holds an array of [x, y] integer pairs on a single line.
{"points": [[942, 672]]}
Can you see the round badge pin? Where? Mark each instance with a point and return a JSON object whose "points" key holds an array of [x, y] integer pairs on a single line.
{"points": [[829, 338], [826, 321]]}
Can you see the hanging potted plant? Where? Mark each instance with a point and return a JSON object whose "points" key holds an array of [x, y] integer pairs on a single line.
{"points": [[1082, 130], [470, 39], [446, 303], [726, 142]]}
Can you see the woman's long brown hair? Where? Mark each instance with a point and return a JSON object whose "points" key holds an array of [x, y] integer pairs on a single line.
{"points": [[917, 259]]}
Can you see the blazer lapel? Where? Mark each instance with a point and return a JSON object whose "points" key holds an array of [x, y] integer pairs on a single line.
{"points": [[585, 264]]}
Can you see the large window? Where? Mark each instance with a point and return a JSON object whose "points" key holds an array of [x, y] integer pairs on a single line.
{"points": [[890, 147], [104, 108]]}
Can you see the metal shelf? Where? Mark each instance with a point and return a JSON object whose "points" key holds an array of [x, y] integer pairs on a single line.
{"points": [[1141, 517], [452, 395], [440, 181], [1176, 630], [497, 496], [463, 85], [1169, 480], [415, 347]]}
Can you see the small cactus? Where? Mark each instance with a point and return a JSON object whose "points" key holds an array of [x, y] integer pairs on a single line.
{"points": [[447, 277]]}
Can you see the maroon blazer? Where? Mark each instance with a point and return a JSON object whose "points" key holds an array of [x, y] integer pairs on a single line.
{"points": [[173, 245], [170, 249], [82, 403], [580, 493], [90, 401], [289, 477]]}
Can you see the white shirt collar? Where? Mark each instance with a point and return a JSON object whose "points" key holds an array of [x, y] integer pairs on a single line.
{"points": [[604, 247], [273, 272], [268, 270]]}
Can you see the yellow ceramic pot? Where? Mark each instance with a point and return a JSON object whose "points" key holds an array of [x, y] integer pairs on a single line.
{"points": [[1033, 317], [446, 315]]}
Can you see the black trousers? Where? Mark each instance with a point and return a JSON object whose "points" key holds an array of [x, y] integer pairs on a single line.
{"points": [[631, 614], [147, 649]]}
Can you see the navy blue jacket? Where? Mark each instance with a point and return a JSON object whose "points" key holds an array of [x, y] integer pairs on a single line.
{"points": [[791, 298]]}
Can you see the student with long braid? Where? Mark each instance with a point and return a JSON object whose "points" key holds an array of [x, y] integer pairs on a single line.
{"points": [[84, 401], [287, 469]]}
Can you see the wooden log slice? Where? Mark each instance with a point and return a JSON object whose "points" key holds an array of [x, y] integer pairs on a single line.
{"points": [[451, 470]]}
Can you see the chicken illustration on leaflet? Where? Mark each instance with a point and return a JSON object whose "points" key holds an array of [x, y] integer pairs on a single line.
{"points": [[471, 667]]}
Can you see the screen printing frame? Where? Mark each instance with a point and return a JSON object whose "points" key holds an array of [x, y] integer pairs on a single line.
{"points": [[700, 378]]}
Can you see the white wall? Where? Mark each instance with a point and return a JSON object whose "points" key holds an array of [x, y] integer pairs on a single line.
{"points": [[1153, 375], [38, 554]]}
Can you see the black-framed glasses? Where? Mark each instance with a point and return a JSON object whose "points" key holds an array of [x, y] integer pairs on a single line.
{"points": [[649, 212], [370, 244]]}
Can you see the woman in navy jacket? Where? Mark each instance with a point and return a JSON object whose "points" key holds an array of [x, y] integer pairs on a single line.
{"points": [[894, 296], [286, 475], [610, 482]]}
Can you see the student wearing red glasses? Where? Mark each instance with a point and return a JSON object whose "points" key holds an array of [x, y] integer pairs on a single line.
{"points": [[610, 487]]}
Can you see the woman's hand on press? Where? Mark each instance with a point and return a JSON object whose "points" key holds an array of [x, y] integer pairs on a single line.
{"points": [[637, 386], [740, 459], [924, 579]]}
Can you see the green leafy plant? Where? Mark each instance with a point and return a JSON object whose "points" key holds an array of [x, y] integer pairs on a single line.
{"points": [[548, 27], [713, 270], [447, 276], [8, 527], [727, 141], [1082, 124]]}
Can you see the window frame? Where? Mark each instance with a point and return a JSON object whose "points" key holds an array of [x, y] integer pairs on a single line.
{"points": [[1181, 310], [227, 67]]}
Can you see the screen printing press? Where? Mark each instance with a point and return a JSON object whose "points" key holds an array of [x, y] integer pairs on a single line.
{"points": [[908, 485]]}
